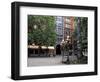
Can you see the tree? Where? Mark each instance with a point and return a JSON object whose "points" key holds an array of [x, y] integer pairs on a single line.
{"points": [[83, 32], [80, 32], [41, 30]]}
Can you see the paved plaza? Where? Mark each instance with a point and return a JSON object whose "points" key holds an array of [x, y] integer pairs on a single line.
{"points": [[45, 61]]}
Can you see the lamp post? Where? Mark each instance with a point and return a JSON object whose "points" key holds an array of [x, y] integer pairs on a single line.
{"points": [[62, 49], [65, 56]]}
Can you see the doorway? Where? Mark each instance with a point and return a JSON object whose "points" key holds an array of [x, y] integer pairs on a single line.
{"points": [[58, 49]]}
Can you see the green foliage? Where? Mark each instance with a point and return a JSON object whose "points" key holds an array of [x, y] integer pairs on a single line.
{"points": [[44, 33], [83, 33], [82, 60], [83, 26]]}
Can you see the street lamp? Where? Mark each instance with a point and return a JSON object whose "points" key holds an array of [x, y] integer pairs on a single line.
{"points": [[62, 49], [35, 26], [65, 57]]}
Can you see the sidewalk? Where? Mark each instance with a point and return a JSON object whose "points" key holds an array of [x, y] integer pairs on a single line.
{"points": [[45, 61]]}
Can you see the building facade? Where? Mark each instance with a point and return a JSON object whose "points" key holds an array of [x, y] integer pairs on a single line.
{"points": [[59, 29], [64, 29], [68, 27]]}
